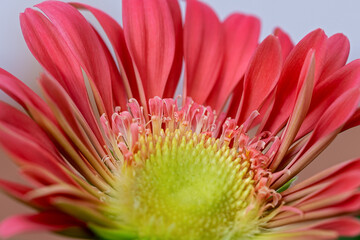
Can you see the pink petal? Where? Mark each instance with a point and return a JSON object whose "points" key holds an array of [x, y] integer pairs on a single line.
{"points": [[38, 176], [325, 229], [118, 90], [327, 128], [235, 99], [328, 91], [150, 36], [261, 77], [335, 116], [23, 94], [15, 190], [286, 89], [353, 121], [83, 43], [320, 209], [241, 34], [11, 138], [69, 115], [49, 193], [203, 50], [326, 175], [285, 42], [23, 123], [324, 192], [41, 177], [45, 221], [176, 68], [74, 125], [51, 50], [337, 54], [302, 103], [347, 206], [116, 36], [344, 226], [302, 235], [337, 186]]}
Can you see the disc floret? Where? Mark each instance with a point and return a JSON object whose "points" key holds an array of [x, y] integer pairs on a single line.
{"points": [[181, 182]]}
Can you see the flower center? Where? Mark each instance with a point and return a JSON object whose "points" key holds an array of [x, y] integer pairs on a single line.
{"points": [[182, 185], [176, 180]]}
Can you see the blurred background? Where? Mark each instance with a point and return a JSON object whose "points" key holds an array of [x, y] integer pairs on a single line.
{"points": [[296, 17]]}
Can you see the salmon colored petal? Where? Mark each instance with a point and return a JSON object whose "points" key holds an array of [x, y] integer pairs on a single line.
{"points": [[83, 43], [44, 221], [302, 103], [19, 192], [327, 128], [70, 153], [27, 127], [150, 36], [75, 126], [353, 121], [118, 90], [49, 193], [319, 189], [348, 206], [286, 89], [335, 116], [23, 94], [285, 42], [203, 50], [325, 229], [38, 176], [44, 118], [175, 72], [301, 235], [16, 190], [68, 113], [344, 226], [241, 35], [260, 78], [235, 99], [328, 91], [330, 206], [116, 36], [326, 175], [338, 48], [319, 208], [338, 185], [56, 57], [10, 137], [22, 122]]}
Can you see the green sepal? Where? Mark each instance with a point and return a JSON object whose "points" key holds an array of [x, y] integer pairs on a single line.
{"points": [[112, 234], [286, 185], [350, 238], [76, 232]]}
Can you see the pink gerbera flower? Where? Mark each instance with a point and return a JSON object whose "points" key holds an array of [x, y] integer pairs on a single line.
{"points": [[125, 159]]}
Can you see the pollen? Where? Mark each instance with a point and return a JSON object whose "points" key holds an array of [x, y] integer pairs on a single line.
{"points": [[183, 185]]}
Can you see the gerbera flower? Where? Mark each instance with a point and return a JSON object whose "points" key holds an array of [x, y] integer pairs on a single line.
{"points": [[125, 159]]}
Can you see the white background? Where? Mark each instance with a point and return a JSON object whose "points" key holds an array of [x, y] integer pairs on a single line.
{"points": [[295, 17]]}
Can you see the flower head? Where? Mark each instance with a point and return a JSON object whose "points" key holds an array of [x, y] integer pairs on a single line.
{"points": [[125, 159]]}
